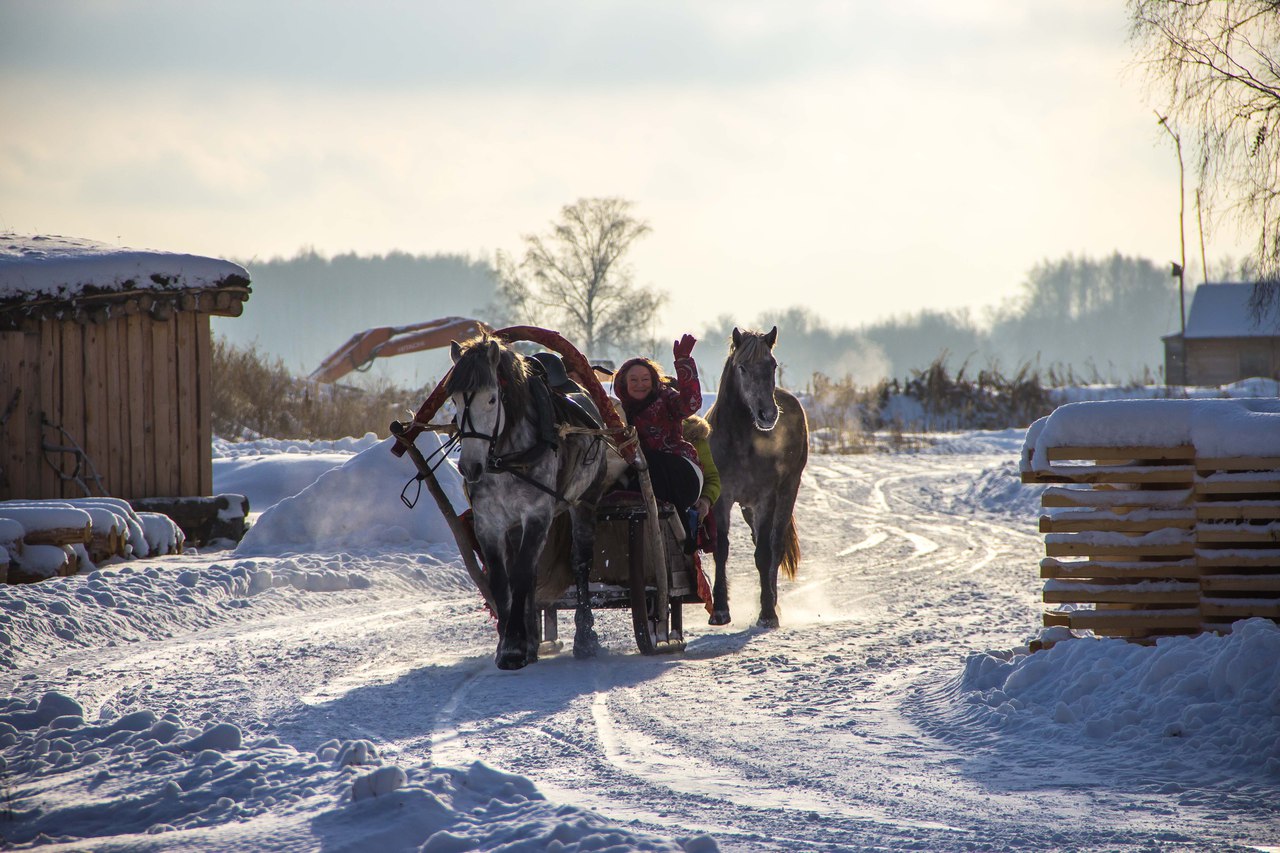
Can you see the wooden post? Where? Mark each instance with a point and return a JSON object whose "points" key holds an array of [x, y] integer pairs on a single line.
{"points": [[139, 409], [14, 461], [73, 377], [50, 405], [188, 379], [164, 410], [204, 404]]}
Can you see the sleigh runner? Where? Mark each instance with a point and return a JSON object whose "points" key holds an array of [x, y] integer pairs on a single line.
{"points": [[637, 558]]}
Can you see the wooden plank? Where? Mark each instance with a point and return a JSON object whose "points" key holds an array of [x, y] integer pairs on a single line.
{"points": [[204, 404], [1263, 558], [1057, 619], [31, 407], [1183, 452], [94, 395], [116, 473], [1124, 594], [136, 369], [1094, 549], [1115, 524], [1265, 533], [1059, 497], [1238, 463], [1238, 487], [1109, 620], [163, 379], [13, 433], [1241, 583], [1238, 511], [1132, 474], [187, 395], [1240, 608], [51, 402], [72, 404], [1153, 570]]}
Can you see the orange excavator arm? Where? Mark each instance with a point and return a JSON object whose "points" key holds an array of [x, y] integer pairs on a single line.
{"points": [[360, 351]]}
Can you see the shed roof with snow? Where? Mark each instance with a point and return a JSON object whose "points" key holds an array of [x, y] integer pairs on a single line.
{"points": [[1222, 311], [66, 278], [106, 367]]}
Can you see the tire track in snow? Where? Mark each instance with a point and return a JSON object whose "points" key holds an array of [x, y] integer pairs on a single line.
{"points": [[660, 763]]}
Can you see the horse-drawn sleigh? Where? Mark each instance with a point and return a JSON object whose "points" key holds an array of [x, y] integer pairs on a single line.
{"points": [[552, 533]]}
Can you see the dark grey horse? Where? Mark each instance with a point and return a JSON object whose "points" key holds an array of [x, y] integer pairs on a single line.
{"points": [[760, 441], [519, 475]]}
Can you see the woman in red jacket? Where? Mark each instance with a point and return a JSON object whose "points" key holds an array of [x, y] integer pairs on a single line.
{"points": [[656, 406]]}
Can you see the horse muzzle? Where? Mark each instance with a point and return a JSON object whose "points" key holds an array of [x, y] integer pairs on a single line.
{"points": [[471, 471], [766, 419]]}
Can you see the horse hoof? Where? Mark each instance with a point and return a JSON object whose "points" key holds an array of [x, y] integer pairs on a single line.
{"points": [[767, 622], [719, 617], [512, 661], [585, 647]]}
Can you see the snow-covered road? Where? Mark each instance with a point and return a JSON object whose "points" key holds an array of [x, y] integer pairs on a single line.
{"points": [[870, 720]]}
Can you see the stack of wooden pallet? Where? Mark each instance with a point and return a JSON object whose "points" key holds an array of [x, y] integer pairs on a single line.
{"points": [[1144, 542], [1238, 538], [1119, 535]]}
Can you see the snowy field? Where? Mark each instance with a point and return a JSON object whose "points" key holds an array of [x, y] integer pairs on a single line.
{"points": [[329, 686]]}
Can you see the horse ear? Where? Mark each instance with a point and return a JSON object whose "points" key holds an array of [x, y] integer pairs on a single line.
{"points": [[455, 351], [772, 337], [737, 336], [494, 353]]}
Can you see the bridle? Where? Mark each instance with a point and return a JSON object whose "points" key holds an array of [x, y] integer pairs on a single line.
{"points": [[467, 427], [516, 464]]}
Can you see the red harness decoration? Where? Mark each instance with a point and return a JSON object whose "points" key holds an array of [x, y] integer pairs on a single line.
{"points": [[574, 361]]}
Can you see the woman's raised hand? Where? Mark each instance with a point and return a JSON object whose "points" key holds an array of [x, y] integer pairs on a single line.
{"points": [[684, 347]]}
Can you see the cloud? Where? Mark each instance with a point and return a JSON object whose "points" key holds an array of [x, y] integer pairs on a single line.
{"points": [[568, 45]]}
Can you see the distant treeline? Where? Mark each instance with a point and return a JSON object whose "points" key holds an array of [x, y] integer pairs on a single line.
{"points": [[305, 307], [1081, 318], [1076, 319]]}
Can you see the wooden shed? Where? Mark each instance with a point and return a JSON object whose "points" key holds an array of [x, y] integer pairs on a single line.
{"points": [[105, 367], [1223, 342]]}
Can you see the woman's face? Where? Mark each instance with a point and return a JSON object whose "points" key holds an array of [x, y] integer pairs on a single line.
{"points": [[639, 382]]}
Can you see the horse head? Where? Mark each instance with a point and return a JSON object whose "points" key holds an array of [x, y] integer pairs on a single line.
{"points": [[488, 386], [754, 373]]}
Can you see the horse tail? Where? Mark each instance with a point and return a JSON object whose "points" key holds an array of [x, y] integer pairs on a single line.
{"points": [[790, 550]]}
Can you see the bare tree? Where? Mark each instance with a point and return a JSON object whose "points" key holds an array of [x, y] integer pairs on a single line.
{"points": [[574, 278], [1217, 62]]}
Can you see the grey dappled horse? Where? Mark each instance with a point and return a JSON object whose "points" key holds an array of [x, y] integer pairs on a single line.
{"points": [[760, 441], [518, 477]]}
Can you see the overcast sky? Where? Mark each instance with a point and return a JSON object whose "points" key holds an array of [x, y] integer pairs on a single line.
{"points": [[865, 159]]}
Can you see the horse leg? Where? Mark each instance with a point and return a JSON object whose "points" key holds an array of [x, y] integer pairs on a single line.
{"points": [[519, 646], [585, 640], [768, 554], [749, 516], [494, 555], [720, 589]]}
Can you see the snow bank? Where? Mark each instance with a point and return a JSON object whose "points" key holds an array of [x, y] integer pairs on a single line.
{"points": [[357, 506], [151, 781], [1207, 705], [137, 600]]}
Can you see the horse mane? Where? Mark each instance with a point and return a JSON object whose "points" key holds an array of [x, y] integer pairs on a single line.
{"points": [[473, 372], [751, 347]]}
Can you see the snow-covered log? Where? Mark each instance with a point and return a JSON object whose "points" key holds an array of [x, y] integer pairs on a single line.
{"points": [[164, 536]]}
